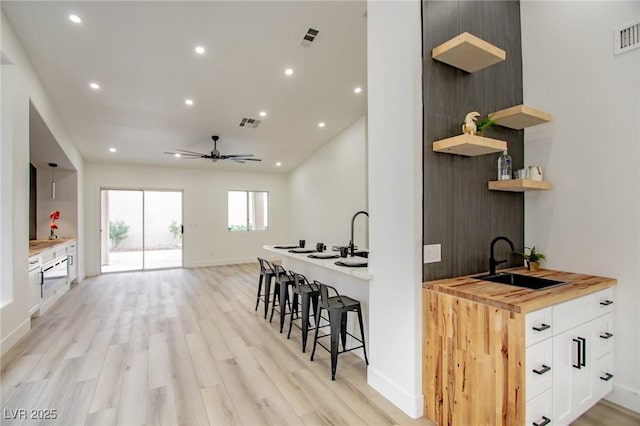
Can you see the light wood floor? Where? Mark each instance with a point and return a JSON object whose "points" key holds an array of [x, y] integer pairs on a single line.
{"points": [[180, 347], [185, 347]]}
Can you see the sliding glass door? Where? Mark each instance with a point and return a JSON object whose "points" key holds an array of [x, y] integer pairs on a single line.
{"points": [[140, 229]]}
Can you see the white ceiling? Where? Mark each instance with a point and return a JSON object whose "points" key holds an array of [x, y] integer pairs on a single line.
{"points": [[142, 55]]}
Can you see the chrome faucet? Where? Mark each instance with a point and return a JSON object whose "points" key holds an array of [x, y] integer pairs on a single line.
{"points": [[353, 219], [492, 260]]}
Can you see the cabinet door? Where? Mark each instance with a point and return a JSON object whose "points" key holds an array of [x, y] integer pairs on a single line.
{"points": [[573, 375], [73, 265], [34, 290]]}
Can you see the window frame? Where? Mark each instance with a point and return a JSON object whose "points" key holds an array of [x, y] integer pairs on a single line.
{"points": [[248, 215]]}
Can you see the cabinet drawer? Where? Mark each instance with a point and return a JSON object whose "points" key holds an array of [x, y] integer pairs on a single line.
{"points": [[539, 376], [603, 376], [538, 326], [603, 335], [539, 410], [603, 302], [573, 313], [47, 255]]}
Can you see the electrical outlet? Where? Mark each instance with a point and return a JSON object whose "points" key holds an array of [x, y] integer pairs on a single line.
{"points": [[432, 253]]}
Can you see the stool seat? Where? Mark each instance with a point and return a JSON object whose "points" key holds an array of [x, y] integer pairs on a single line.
{"points": [[283, 282], [341, 302], [266, 274], [338, 306], [307, 294]]}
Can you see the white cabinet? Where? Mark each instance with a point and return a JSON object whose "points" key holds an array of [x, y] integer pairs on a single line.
{"points": [[569, 358], [72, 252], [573, 373], [35, 280]]}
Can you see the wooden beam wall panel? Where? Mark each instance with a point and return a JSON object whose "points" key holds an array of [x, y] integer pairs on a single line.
{"points": [[472, 362]]}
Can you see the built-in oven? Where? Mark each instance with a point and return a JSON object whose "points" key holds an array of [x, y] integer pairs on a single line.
{"points": [[54, 274]]}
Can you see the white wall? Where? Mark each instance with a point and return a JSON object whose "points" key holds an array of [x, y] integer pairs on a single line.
{"points": [[66, 202], [590, 221], [394, 36], [26, 87], [328, 188], [6, 183], [206, 240]]}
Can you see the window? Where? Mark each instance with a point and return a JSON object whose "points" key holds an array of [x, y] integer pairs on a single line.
{"points": [[248, 211]]}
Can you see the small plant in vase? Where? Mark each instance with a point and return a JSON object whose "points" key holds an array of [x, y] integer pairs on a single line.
{"points": [[484, 124], [533, 258], [54, 215]]}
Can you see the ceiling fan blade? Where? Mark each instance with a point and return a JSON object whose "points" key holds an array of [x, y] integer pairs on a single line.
{"points": [[238, 161], [194, 157], [251, 159], [189, 152], [238, 155]]}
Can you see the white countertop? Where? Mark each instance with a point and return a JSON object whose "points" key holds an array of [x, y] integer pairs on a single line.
{"points": [[358, 272]]}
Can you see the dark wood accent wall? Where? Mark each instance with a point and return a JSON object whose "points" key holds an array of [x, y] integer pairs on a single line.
{"points": [[460, 213]]}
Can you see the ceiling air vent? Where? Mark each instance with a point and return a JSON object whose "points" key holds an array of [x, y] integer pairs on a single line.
{"points": [[627, 38], [309, 37], [249, 122]]}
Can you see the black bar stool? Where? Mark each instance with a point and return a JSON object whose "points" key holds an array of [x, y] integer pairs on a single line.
{"points": [[305, 294], [266, 274], [338, 306], [281, 292]]}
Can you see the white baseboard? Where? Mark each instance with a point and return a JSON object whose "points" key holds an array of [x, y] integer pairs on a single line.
{"points": [[626, 397], [411, 405], [13, 337]]}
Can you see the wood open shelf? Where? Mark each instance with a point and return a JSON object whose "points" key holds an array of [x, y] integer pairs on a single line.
{"points": [[469, 145], [469, 53], [520, 116], [519, 185]]}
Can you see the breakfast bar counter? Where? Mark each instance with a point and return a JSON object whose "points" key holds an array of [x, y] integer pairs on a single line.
{"points": [[349, 281]]}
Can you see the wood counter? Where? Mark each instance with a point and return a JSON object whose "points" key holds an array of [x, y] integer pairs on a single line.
{"points": [[474, 344], [37, 246], [519, 299]]}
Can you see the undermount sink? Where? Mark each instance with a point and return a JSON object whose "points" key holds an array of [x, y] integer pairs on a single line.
{"points": [[526, 281]]}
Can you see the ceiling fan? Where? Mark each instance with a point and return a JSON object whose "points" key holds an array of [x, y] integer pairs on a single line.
{"points": [[214, 155]]}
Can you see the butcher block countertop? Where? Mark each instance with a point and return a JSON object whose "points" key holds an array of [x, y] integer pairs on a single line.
{"points": [[37, 246], [518, 299]]}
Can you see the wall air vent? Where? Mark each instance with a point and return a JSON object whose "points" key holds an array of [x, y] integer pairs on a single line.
{"points": [[309, 37], [249, 122], [627, 37]]}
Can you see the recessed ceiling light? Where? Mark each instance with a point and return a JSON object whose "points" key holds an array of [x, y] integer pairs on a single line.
{"points": [[188, 102], [112, 150], [321, 124], [288, 71], [94, 86], [75, 19], [177, 155], [357, 90], [200, 50], [263, 113], [278, 164]]}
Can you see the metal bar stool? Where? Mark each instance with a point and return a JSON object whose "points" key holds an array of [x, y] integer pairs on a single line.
{"points": [[281, 292], [304, 294], [266, 274], [338, 306]]}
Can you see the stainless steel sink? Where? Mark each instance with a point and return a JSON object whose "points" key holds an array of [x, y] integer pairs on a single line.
{"points": [[526, 281]]}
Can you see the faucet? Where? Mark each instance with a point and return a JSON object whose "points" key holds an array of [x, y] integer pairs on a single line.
{"points": [[351, 244], [492, 260]]}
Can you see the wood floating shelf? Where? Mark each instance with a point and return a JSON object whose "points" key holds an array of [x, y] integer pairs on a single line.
{"points": [[519, 117], [469, 53], [469, 145], [519, 185]]}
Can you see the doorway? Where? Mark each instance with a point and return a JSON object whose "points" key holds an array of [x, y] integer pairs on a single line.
{"points": [[140, 229]]}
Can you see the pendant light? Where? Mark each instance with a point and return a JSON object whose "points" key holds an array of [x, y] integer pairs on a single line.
{"points": [[53, 180]]}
